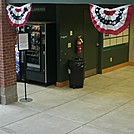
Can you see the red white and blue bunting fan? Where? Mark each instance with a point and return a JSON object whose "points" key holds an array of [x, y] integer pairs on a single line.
{"points": [[111, 21], [18, 16]]}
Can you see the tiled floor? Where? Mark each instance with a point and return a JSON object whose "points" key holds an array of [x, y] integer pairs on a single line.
{"points": [[105, 105]]}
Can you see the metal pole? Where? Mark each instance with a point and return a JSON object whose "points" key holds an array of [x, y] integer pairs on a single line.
{"points": [[25, 99], [25, 67], [25, 92]]}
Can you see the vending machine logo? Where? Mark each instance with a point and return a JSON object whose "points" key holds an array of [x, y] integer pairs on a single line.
{"points": [[17, 61]]}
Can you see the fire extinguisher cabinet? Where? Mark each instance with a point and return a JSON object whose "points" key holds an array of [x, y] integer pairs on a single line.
{"points": [[76, 72]]}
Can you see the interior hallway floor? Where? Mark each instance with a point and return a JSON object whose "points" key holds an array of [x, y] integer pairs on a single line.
{"points": [[105, 105]]}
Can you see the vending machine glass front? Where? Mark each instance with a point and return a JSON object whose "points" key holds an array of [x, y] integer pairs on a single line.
{"points": [[34, 53]]}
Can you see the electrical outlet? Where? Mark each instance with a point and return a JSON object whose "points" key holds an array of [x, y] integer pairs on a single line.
{"points": [[111, 59]]}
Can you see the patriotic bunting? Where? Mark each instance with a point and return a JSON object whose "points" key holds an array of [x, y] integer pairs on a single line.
{"points": [[111, 21], [18, 16]]}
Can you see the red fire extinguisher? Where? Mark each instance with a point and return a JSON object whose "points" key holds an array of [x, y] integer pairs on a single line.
{"points": [[79, 44]]}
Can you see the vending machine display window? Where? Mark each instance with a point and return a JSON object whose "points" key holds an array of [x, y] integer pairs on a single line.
{"points": [[33, 55]]}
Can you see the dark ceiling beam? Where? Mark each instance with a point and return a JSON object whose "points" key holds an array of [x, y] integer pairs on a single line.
{"points": [[73, 1]]}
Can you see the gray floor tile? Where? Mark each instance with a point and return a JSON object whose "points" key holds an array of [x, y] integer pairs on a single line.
{"points": [[90, 130], [42, 124], [121, 75], [13, 113], [73, 93], [107, 98], [31, 88], [79, 111], [2, 132], [100, 81], [120, 120], [103, 106], [125, 86], [43, 100]]}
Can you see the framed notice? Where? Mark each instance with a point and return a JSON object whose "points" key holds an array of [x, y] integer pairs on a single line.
{"points": [[23, 41]]}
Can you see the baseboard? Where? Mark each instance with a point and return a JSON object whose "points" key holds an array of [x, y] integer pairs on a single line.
{"points": [[131, 63], [62, 84], [115, 67], [66, 83], [91, 72]]}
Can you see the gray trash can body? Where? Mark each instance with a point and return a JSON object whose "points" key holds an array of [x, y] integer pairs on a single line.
{"points": [[76, 72]]}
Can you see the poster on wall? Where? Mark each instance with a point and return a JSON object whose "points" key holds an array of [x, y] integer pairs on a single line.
{"points": [[23, 41]]}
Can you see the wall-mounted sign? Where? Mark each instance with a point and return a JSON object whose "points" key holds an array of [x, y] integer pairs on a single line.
{"points": [[63, 37], [38, 9], [23, 41]]}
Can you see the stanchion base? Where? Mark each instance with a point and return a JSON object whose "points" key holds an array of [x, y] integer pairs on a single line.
{"points": [[26, 100]]}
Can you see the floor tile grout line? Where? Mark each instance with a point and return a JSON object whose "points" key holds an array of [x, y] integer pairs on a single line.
{"points": [[85, 124], [31, 93], [111, 110], [95, 128], [65, 102], [108, 130], [19, 120], [43, 90], [5, 131], [66, 96], [69, 102], [39, 112], [101, 116], [80, 97]]}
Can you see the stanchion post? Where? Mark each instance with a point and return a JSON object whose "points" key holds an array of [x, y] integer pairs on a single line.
{"points": [[25, 99]]}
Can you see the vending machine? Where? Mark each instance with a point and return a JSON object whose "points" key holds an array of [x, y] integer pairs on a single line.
{"points": [[41, 55]]}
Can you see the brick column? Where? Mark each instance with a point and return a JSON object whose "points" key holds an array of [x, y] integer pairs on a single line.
{"points": [[8, 87]]}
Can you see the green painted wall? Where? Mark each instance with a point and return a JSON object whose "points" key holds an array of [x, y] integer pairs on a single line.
{"points": [[119, 54], [75, 18], [90, 42], [70, 19]]}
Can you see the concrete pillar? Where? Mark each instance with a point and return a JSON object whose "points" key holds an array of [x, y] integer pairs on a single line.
{"points": [[8, 87]]}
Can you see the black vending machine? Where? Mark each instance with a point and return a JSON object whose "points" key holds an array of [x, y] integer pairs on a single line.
{"points": [[41, 56]]}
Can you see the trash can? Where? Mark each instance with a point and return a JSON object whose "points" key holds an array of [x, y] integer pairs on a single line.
{"points": [[76, 72]]}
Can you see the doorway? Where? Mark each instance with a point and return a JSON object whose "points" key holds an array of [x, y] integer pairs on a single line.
{"points": [[91, 47]]}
